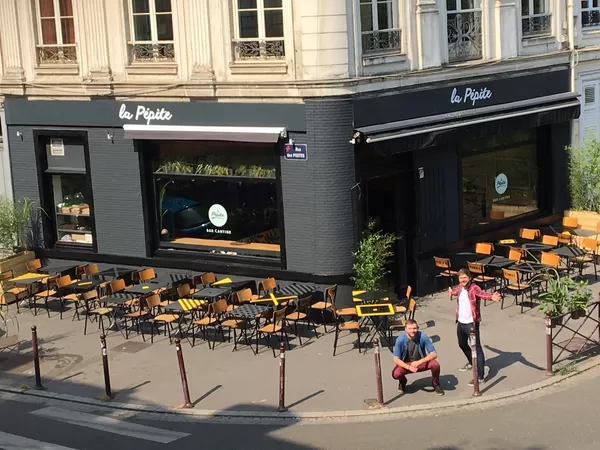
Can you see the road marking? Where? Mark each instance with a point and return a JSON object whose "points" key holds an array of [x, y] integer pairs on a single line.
{"points": [[110, 425], [14, 442]]}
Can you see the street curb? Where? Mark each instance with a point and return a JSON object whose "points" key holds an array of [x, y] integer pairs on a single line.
{"points": [[308, 416]]}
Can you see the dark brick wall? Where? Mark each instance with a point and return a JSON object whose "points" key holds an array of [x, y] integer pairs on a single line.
{"points": [[115, 183], [319, 223]]}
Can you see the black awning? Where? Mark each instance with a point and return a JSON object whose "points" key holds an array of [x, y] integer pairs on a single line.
{"points": [[536, 112]]}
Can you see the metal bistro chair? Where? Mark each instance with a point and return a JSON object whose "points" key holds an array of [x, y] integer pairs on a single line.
{"points": [[478, 270], [484, 248], [302, 314], [591, 255], [34, 265], [446, 269], [529, 234], [19, 293], [275, 328], [399, 324], [516, 286]]}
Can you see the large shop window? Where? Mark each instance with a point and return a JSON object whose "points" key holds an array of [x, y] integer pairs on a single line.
{"points": [[67, 191], [499, 178], [217, 197]]}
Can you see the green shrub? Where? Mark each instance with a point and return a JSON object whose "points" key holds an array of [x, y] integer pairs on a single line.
{"points": [[374, 251], [584, 176]]}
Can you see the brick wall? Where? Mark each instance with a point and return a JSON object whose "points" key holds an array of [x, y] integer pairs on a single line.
{"points": [[319, 224]]}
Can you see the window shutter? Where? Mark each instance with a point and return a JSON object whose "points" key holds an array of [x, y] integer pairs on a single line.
{"points": [[589, 116]]}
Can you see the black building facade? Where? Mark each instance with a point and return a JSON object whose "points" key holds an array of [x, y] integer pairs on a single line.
{"points": [[286, 189]]}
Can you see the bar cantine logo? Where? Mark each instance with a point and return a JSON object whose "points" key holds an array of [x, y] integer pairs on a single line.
{"points": [[470, 95], [217, 215]]}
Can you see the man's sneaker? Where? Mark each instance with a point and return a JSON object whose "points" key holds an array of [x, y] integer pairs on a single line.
{"points": [[438, 390], [466, 367], [401, 387], [481, 381]]}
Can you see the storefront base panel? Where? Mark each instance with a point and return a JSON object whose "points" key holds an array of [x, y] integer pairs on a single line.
{"points": [[199, 263]]}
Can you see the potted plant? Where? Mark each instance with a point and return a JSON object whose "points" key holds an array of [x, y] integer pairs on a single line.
{"points": [[584, 183], [579, 295], [554, 298], [374, 251], [17, 232]]}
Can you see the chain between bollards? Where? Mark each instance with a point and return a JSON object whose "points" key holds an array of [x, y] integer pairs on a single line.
{"points": [[184, 383], [549, 371], [378, 372], [105, 367], [473, 342], [36, 358], [282, 407]]}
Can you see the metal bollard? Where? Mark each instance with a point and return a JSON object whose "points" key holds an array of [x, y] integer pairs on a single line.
{"points": [[378, 372], [282, 407], [184, 383], [36, 358], [549, 371], [473, 343], [105, 367]]}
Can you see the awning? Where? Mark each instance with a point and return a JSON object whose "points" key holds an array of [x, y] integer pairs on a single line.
{"points": [[447, 122], [206, 133]]}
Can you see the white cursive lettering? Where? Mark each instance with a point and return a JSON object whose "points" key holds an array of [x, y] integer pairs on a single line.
{"points": [[147, 114], [470, 95]]}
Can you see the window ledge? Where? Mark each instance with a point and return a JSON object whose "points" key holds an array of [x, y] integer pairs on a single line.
{"points": [[591, 31], [57, 69], [258, 67], [157, 68], [538, 40], [383, 58]]}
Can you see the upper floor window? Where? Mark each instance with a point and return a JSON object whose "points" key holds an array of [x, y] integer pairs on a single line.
{"points": [[151, 24], [590, 13], [535, 18], [379, 25], [56, 32], [464, 30], [259, 30]]}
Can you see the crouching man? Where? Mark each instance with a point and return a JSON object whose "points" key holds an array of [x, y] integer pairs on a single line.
{"points": [[414, 352]]}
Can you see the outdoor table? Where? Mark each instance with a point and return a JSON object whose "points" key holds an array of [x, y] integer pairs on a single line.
{"points": [[117, 300], [535, 247], [297, 289], [275, 299], [60, 270], [582, 232], [568, 251], [233, 286], [85, 285], [148, 286], [379, 314], [115, 273], [249, 312], [499, 262], [211, 293], [28, 278], [530, 268], [370, 296], [184, 306]]}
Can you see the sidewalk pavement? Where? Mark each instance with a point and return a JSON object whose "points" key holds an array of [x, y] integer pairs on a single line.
{"points": [[148, 374]]}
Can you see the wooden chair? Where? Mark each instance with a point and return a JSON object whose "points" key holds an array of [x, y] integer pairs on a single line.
{"points": [[349, 325], [80, 272], [515, 254], [34, 265], [46, 293], [484, 248], [275, 328], [301, 314], [143, 313], [157, 317], [564, 239], [212, 319], [244, 296], [144, 275], [118, 286], [529, 234], [445, 269], [328, 303], [515, 285], [570, 222], [550, 240], [62, 293], [19, 293], [91, 270], [267, 286], [478, 270], [399, 324], [207, 279], [581, 262], [91, 302], [553, 260]]}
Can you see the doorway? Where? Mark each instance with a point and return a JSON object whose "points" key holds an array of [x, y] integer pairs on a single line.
{"points": [[390, 202]]}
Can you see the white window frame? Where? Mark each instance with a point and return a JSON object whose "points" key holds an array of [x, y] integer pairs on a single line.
{"points": [[589, 9], [261, 38], [375, 17], [153, 25], [57, 25], [533, 15], [593, 107], [479, 7]]}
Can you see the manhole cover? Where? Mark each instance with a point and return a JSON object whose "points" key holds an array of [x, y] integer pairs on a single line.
{"points": [[130, 347]]}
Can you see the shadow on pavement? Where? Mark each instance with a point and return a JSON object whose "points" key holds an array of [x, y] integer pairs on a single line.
{"points": [[504, 359]]}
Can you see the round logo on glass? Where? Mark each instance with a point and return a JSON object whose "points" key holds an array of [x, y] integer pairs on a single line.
{"points": [[501, 183], [217, 215]]}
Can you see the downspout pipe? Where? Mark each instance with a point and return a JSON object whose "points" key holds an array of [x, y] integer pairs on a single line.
{"points": [[571, 38]]}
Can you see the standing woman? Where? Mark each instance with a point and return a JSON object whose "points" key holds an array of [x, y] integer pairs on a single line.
{"points": [[468, 315]]}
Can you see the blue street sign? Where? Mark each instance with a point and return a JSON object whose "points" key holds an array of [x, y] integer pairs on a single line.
{"points": [[295, 152]]}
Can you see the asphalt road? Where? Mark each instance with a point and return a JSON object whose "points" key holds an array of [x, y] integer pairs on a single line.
{"points": [[562, 418]]}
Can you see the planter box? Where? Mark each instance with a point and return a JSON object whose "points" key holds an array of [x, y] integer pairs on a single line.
{"points": [[18, 264], [587, 219]]}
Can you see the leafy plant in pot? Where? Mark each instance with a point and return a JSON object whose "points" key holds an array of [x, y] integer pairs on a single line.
{"points": [[374, 251], [554, 298], [16, 225], [579, 296]]}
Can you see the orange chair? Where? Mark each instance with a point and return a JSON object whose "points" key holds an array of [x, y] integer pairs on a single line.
{"points": [[550, 240], [570, 222], [484, 248], [529, 234], [515, 254], [515, 285], [446, 270]]}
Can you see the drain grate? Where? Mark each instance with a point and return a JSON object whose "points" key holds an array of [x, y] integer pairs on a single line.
{"points": [[130, 347]]}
